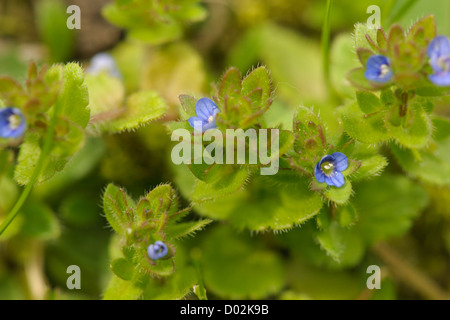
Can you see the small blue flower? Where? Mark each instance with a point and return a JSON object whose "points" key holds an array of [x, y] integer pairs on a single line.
{"points": [[104, 62], [439, 53], [329, 169], [378, 69], [157, 251], [206, 111], [12, 123]]}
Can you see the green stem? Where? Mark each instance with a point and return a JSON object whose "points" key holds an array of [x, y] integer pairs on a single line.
{"points": [[395, 16], [325, 44], [37, 171]]}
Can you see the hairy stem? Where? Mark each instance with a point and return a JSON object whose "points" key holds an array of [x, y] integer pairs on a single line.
{"points": [[37, 171]]}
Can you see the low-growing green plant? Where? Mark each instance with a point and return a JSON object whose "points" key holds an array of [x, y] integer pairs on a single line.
{"points": [[354, 171]]}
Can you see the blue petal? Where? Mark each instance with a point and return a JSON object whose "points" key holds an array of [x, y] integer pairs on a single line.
{"points": [[204, 108], [340, 161], [157, 251], [320, 176], [104, 62], [162, 246], [337, 179], [376, 61], [440, 79], [439, 48], [193, 121], [209, 125], [6, 131], [373, 69], [326, 158]]}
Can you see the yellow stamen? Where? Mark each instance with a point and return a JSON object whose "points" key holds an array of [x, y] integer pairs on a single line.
{"points": [[210, 119]]}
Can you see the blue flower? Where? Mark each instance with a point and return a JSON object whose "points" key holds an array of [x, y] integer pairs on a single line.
{"points": [[12, 123], [104, 62], [329, 169], [378, 69], [206, 111], [439, 53], [157, 251]]}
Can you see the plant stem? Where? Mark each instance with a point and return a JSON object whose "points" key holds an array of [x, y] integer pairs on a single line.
{"points": [[410, 275], [325, 44], [37, 171]]}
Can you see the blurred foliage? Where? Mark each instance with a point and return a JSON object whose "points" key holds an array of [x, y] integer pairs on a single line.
{"points": [[283, 236]]}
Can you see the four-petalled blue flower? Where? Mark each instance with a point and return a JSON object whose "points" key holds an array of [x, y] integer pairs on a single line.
{"points": [[206, 111], [157, 251], [329, 169], [438, 52], [12, 123], [378, 69]]}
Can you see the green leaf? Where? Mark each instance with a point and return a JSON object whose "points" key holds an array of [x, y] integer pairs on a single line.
{"points": [[425, 26], [415, 128], [361, 30], [382, 40], [74, 97], [117, 205], [39, 222], [70, 138], [364, 55], [356, 78], [370, 166], [158, 34], [188, 104], [239, 268], [228, 181], [346, 215], [175, 287], [396, 36], [123, 268], [141, 108], [258, 79], [331, 241], [119, 289], [231, 83], [180, 230], [106, 93], [265, 207], [429, 164], [314, 273], [339, 195], [388, 206], [163, 198], [368, 102], [367, 129]]}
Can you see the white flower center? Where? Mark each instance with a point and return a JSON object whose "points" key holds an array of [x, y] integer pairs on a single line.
{"points": [[384, 70], [443, 64], [14, 121], [328, 168]]}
